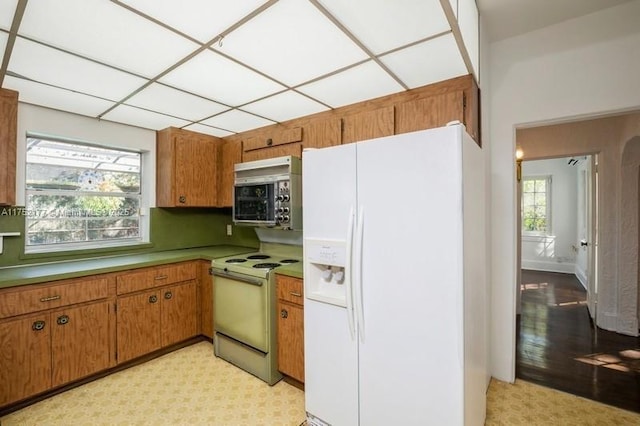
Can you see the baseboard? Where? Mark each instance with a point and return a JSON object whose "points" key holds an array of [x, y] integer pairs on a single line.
{"points": [[581, 275], [546, 266]]}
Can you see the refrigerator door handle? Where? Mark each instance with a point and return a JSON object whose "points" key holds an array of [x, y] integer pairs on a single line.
{"points": [[358, 272], [349, 276]]}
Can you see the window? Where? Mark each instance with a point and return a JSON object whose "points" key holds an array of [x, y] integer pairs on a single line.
{"points": [[536, 205], [80, 196]]}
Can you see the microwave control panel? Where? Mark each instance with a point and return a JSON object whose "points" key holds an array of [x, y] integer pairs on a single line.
{"points": [[283, 203]]}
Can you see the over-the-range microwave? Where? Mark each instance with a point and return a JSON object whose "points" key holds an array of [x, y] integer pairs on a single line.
{"points": [[269, 193]]}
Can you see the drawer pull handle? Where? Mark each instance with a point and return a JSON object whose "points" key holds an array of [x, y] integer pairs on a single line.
{"points": [[168, 295], [284, 313], [49, 299], [295, 294], [62, 319], [182, 199], [38, 325], [161, 277], [153, 299]]}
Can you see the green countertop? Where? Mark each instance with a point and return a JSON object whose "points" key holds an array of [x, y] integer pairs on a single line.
{"points": [[292, 270], [37, 273]]}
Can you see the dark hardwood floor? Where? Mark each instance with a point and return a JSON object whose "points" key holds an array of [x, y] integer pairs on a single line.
{"points": [[559, 347]]}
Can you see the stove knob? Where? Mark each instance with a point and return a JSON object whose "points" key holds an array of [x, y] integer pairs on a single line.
{"points": [[280, 198], [283, 210], [286, 210], [285, 218], [285, 197], [280, 218]]}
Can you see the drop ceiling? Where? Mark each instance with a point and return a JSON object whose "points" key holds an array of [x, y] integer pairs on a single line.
{"points": [[222, 67]]}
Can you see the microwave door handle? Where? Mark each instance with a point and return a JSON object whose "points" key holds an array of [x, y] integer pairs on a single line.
{"points": [[348, 276]]}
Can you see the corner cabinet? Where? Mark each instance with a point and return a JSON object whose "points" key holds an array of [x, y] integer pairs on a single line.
{"points": [[8, 135], [290, 326], [53, 334], [156, 308], [186, 168]]}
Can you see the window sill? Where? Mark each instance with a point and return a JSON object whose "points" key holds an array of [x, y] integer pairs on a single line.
{"points": [[85, 253]]}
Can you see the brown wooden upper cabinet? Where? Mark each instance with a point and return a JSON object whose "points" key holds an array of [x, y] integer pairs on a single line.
{"points": [[437, 111], [8, 135], [272, 143], [368, 125], [187, 168], [321, 134], [230, 154]]}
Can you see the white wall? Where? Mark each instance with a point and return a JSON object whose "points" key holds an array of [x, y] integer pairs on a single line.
{"points": [[554, 252], [51, 122], [579, 68]]}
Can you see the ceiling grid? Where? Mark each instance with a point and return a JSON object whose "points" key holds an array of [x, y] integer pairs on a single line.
{"points": [[226, 67]]}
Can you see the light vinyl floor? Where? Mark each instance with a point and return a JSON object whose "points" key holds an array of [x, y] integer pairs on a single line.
{"points": [[192, 387]]}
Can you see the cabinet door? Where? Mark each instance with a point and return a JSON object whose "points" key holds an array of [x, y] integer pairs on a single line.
{"points": [[178, 313], [195, 171], [323, 134], [430, 112], [80, 342], [25, 357], [294, 149], [138, 324], [291, 340], [8, 135], [230, 155], [368, 125]]}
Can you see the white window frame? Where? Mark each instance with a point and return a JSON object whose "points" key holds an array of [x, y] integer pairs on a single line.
{"points": [[549, 180], [144, 227]]}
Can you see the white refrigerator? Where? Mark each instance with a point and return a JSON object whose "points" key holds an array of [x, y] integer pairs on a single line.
{"points": [[395, 317]]}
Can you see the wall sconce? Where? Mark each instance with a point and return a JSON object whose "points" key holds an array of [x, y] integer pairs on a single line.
{"points": [[519, 155]]}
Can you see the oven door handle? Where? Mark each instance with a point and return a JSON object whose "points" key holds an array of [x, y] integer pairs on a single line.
{"points": [[238, 277]]}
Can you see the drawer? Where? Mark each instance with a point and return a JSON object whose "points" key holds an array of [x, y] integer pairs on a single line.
{"points": [[290, 289], [18, 301], [145, 278]]}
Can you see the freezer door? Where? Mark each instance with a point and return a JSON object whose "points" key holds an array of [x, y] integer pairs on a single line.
{"points": [[411, 352], [331, 352]]}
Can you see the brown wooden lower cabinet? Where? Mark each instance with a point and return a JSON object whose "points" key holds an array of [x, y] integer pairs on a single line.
{"points": [[41, 351], [290, 327], [154, 319], [25, 357], [80, 342]]}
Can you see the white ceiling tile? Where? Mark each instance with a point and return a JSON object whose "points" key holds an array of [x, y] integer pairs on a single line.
{"points": [[356, 84], [106, 32], [425, 63], [141, 118], [210, 75], [285, 106], [160, 98], [382, 25], [3, 41], [202, 19], [51, 66], [208, 130], [55, 98], [7, 10], [237, 121], [293, 42]]}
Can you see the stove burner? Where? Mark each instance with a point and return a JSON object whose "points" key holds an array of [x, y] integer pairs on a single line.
{"points": [[266, 265], [235, 261], [289, 261], [258, 256]]}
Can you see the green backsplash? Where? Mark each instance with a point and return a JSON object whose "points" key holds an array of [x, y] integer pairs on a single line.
{"points": [[171, 229]]}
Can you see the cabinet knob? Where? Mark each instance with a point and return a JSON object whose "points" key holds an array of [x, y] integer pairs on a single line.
{"points": [[168, 295], [269, 142], [62, 319], [38, 325], [284, 313], [182, 199], [153, 299]]}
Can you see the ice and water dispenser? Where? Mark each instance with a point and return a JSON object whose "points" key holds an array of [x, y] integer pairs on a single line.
{"points": [[326, 274]]}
